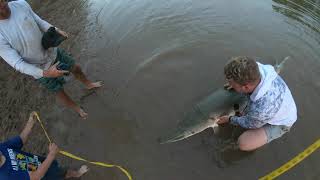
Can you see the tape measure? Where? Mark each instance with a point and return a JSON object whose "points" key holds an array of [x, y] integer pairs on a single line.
{"points": [[296, 160], [67, 154]]}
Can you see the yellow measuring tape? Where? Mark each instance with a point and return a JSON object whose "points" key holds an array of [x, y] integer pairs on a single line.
{"points": [[292, 162], [81, 159]]}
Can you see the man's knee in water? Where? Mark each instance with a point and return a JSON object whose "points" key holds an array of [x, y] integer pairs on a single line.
{"points": [[252, 140], [243, 144]]}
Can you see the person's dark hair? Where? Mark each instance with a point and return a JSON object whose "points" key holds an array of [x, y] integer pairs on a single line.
{"points": [[242, 70]]}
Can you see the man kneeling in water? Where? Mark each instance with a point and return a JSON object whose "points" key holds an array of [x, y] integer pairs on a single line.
{"points": [[271, 110], [19, 165]]}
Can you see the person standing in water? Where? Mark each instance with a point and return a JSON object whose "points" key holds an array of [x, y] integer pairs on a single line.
{"points": [[21, 32]]}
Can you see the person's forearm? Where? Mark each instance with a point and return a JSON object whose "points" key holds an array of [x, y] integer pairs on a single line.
{"points": [[26, 131], [43, 25], [246, 122], [28, 69], [43, 168], [12, 57]]}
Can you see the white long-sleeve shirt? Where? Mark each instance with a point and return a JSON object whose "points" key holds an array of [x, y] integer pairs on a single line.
{"points": [[270, 103], [20, 40]]}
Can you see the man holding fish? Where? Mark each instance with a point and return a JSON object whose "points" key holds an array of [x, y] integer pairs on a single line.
{"points": [[270, 111]]}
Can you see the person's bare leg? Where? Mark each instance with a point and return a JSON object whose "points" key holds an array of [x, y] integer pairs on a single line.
{"points": [[79, 75], [252, 139], [67, 101], [76, 174]]}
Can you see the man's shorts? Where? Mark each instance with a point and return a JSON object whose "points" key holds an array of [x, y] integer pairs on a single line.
{"points": [[55, 172], [56, 84], [275, 131]]}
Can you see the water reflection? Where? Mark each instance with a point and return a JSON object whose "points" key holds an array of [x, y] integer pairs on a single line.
{"points": [[306, 12]]}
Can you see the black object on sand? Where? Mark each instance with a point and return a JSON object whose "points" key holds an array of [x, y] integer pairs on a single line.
{"points": [[52, 38]]}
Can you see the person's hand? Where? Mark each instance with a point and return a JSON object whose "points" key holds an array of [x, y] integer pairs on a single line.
{"points": [[32, 118], [53, 149], [63, 33], [54, 72], [227, 87], [223, 120]]}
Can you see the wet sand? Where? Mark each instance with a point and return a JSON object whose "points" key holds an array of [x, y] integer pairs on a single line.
{"points": [[153, 74]]}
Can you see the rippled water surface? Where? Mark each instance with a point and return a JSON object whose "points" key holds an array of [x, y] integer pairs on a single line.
{"points": [[158, 58]]}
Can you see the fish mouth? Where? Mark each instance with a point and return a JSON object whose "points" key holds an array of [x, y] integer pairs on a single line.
{"points": [[180, 135], [183, 133], [174, 138]]}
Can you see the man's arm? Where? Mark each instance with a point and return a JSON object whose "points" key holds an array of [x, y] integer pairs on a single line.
{"points": [[18, 141], [12, 57], [243, 121], [43, 168], [27, 129], [247, 122], [43, 25]]}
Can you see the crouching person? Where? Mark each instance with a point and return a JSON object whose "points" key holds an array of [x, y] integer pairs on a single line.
{"points": [[16, 164]]}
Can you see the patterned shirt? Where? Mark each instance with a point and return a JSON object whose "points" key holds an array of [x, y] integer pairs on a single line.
{"points": [[259, 112]]}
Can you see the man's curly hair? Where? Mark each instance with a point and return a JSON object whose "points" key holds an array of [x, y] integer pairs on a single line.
{"points": [[242, 70]]}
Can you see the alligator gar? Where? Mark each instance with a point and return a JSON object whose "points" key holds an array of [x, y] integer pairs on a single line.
{"points": [[205, 114]]}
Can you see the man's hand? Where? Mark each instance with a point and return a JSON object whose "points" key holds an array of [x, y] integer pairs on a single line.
{"points": [[227, 87], [43, 168], [32, 118], [53, 149], [63, 33], [223, 120], [54, 72]]}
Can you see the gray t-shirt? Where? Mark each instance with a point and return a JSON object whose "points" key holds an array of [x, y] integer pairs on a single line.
{"points": [[20, 40]]}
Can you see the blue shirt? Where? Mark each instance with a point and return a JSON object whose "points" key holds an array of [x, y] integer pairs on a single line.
{"points": [[18, 163]]}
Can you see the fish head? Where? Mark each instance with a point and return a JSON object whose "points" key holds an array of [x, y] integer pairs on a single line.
{"points": [[185, 132]]}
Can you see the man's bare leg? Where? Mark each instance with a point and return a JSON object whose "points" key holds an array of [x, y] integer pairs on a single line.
{"points": [[76, 174], [67, 101], [252, 139], [78, 74]]}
